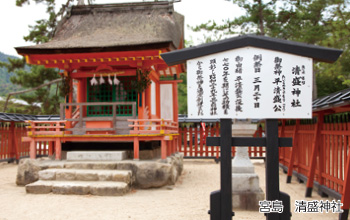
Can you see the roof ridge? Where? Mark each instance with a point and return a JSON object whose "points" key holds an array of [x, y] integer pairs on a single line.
{"points": [[86, 9]]}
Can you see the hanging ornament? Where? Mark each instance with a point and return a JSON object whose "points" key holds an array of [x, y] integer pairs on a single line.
{"points": [[115, 80], [110, 80], [93, 81], [102, 80]]}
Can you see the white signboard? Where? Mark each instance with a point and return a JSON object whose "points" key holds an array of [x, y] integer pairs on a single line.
{"points": [[250, 83]]}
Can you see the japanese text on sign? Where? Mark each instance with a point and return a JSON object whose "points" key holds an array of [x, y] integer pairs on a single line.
{"points": [[250, 83]]}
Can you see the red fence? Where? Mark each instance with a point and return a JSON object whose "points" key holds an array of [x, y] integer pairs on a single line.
{"points": [[320, 154], [192, 142], [322, 145], [11, 145]]}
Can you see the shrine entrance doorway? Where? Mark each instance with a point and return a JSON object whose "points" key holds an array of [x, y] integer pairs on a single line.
{"points": [[106, 92]]}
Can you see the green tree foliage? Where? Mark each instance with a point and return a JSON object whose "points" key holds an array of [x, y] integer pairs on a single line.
{"points": [[20, 108], [182, 94], [320, 22], [44, 29], [34, 76], [6, 85]]}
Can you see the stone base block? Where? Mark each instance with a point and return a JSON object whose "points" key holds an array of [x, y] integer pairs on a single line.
{"points": [[246, 192], [242, 169], [109, 189], [39, 187], [245, 182], [247, 200], [96, 155], [98, 188], [71, 188], [86, 175]]}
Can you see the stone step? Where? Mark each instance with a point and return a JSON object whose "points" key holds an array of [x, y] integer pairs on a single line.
{"points": [[99, 188], [86, 175], [96, 155]]}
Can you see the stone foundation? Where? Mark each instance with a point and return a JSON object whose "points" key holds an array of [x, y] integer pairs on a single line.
{"points": [[145, 174], [246, 192], [247, 200]]}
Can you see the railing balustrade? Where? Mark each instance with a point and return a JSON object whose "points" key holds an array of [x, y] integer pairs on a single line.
{"points": [[153, 126], [77, 120]]}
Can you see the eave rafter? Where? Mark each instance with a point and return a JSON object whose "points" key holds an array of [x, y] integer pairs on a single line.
{"points": [[76, 60], [111, 62]]}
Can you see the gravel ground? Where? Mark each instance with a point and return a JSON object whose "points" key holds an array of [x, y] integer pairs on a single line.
{"points": [[188, 199]]}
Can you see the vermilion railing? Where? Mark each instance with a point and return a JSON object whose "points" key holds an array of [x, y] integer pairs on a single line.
{"points": [[153, 126], [48, 133], [46, 127], [192, 142]]}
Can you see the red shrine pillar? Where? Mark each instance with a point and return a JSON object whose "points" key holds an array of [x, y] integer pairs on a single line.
{"points": [[68, 109]]}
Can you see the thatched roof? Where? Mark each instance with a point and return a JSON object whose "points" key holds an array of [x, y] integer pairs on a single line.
{"points": [[115, 27]]}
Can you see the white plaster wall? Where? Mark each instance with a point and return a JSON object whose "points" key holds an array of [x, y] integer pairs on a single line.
{"points": [[153, 98], [166, 101]]}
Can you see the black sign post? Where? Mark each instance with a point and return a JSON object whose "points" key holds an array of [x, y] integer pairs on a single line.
{"points": [[221, 200], [272, 171], [285, 104]]}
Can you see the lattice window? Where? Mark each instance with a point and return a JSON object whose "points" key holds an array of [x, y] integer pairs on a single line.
{"points": [[111, 93]]}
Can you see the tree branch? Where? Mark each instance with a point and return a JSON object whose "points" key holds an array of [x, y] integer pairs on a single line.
{"points": [[29, 90]]}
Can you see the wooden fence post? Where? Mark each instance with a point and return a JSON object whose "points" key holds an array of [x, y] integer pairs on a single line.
{"points": [[136, 148], [315, 149], [13, 145], [196, 141], [217, 134], [185, 140], [345, 199], [32, 149], [163, 149], [190, 132], [180, 138], [294, 151], [50, 148], [58, 148]]}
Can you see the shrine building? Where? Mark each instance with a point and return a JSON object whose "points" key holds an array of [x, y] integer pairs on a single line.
{"points": [[120, 92]]}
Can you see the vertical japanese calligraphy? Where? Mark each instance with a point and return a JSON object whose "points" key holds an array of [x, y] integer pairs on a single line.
{"points": [[277, 98], [225, 86], [257, 81], [239, 65], [212, 85], [199, 82], [250, 83], [239, 84], [297, 82]]}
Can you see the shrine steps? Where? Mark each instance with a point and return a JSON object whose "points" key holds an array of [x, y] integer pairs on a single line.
{"points": [[82, 181], [103, 178], [98, 188]]}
